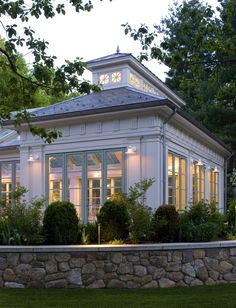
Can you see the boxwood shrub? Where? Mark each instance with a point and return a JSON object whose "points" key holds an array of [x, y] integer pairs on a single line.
{"points": [[166, 224], [114, 219], [60, 223]]}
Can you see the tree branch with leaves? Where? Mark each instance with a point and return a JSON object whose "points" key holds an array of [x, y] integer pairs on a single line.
{"points": [[44, 76]]}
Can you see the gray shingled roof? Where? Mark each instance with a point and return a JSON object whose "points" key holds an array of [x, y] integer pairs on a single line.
{"points": [[9, 138], [109, 100]]}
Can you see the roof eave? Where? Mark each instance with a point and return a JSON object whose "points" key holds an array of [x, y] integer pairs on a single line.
{"points": [[163, 102]]}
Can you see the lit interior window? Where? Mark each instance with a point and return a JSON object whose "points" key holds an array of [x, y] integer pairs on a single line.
{"points": [[86, 179], [55, 168], [145, 87], [9, 178], [94, 175], [6, 181], [214, 186], [177, 181], [198, 174], [114, 172], [74, 178], [132, 79], [137, 82]]}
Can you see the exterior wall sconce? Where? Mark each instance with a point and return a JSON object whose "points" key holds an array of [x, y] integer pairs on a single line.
{"points": [[215, 170], [199, 162], [131, 149], [33, 157]]}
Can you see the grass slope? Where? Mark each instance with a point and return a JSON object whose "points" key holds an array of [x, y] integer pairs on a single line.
{"points": [[210, 296]]}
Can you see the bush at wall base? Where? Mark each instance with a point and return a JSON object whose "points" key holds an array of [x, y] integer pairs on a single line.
{"points": [[231, 217], [60, 223], [114, 219], [21, 221], [201, 223], [166, 224]]}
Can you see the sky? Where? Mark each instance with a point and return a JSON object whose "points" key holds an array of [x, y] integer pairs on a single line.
{"points": [[97, 33]]}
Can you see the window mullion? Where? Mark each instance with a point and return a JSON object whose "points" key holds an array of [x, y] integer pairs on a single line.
{"points": [[104, 176], [13, 180], [173, 180], [180, 183], [64, 178], [84, 189], [123, 172]]}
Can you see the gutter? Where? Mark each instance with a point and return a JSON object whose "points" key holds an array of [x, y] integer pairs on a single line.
{"points": [[164, 154]]}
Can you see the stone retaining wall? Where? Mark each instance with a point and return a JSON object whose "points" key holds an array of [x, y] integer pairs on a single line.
{"points": [[129, 266]]}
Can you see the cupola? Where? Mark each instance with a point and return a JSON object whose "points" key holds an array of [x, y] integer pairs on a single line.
{"points": [[124, 70]]}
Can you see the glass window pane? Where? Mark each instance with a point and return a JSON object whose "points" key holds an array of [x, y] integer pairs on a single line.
{"points": [[214, 186], [114, 172], [170, 178], [17, 175], [198, 174], [94, 175], [6, 181], [183, 196], [55, 169], [74, 180], [176, 180]]}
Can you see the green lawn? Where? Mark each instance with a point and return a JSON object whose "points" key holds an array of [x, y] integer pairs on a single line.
{"points": [[213, 296]]}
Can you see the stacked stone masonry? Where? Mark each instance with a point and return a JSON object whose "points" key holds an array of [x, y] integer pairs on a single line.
{"points": [[114, 268]]}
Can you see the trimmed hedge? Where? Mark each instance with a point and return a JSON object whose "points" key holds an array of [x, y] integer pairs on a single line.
{"points": [[166, 224], [60, 223], [114, 219]]}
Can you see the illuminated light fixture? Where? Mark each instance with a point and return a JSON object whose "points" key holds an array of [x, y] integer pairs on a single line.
{"points": [[33, 157], [97, 174], [131, 149], [199, 162], [215, 170]]}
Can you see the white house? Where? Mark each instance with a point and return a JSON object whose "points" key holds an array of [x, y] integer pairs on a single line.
{"points": [[133, 129]]}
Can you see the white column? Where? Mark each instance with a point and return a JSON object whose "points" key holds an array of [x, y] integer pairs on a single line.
{"points": [[37, 174], [151, 168], [24, 170], [133, 164]]}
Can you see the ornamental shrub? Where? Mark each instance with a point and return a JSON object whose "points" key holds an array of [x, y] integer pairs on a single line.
{"points": [[60, 223], [88, 233], [114, 219], [140, 214], [166, 224], [231, 217], [231, 214], [140, 222], [201, 223], [203, 232], [21, 222]]}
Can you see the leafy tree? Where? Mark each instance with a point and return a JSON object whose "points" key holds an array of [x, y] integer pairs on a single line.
{"points": [[199, 48], [14, 90], [45, 79]]}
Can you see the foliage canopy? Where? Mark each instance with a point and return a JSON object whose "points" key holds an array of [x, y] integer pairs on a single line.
{"points": [[198, 45], [44, 77]]}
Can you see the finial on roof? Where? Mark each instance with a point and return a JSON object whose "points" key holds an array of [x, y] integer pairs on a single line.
{"points": [[118, 49]]}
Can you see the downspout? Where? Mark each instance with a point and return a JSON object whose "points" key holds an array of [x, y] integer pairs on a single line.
{"points": [[164, 154], [226, 181]]}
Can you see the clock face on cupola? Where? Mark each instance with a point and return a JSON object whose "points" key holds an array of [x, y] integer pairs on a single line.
{"points": [[116, 77], [104, 79]]}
